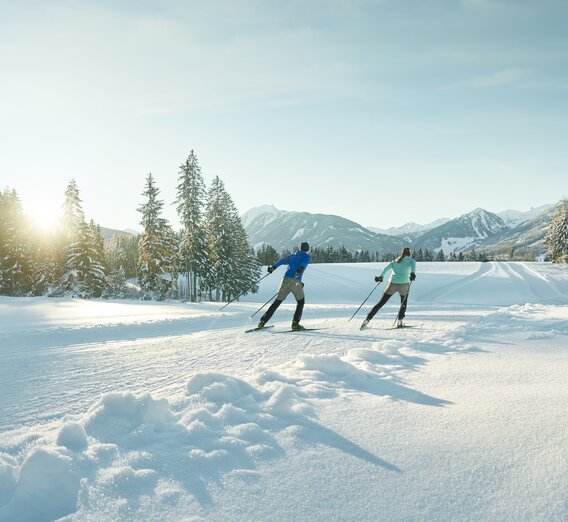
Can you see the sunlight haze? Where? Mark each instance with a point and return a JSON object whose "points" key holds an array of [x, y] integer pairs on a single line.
{"points": [[382, 112]]}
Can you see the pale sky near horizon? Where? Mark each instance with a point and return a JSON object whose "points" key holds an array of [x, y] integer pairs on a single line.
{"points": [[383, 111]]}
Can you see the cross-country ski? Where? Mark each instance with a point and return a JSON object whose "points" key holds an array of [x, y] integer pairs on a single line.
{"points": [[258, 329]]}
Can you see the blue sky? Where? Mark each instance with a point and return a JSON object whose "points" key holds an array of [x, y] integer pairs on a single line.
{"points": [[381, 111]]}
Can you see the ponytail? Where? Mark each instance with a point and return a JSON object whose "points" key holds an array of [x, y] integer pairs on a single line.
{"points": [[405, 253]]}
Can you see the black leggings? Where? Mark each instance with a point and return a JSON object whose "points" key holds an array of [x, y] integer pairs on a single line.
{"points": [[382, 302], [274, 306]]}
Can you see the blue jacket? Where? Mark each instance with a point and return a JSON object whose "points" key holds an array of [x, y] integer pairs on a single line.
{"points": [[295, 261]]}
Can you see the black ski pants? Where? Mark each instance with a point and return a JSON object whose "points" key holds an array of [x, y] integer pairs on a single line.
{"points": [[383, 301], [274, 306]]}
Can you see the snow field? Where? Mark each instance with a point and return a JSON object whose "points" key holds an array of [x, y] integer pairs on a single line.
{"points": [[460, 418]]}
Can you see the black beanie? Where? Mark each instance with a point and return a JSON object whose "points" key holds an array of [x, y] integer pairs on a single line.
{"points": [[304, 247]]}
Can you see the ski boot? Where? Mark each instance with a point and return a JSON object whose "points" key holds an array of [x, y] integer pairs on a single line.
{"points": [[399, 323], [364, 324], [261, 324], [297, 327]]}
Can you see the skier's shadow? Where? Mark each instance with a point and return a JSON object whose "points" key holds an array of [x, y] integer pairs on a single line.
{"points": [[314, 433]]}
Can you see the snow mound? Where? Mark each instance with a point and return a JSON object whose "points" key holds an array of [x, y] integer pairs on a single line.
{"points": [[73, 437], [129, 451]]}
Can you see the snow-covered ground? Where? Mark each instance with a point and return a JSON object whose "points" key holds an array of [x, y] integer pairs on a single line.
{"points": [[157, 411]]}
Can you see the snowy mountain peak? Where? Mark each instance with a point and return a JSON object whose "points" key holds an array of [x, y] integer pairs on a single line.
{"points": [[463, 232], [285, 230], [516, 217], [409, 230], [269, 212]]}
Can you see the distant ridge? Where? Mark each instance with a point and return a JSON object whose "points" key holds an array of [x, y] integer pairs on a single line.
{"points": [[463, 232], [481, 229], [409, 230], [109, 233], [285, 230]]}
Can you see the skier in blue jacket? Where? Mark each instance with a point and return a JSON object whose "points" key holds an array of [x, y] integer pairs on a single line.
{"points": [[292, 282], [404, 271]]}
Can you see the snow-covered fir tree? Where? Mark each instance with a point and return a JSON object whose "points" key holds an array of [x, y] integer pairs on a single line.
{"points": [[232, 268], [440, 256], [117, 256], [267, 255], [16, 268], [556, 239], [85, 276], [73, 231], [122, 250], [84, 265], [73, 219], [45, 278], [117, 287], [192, 253], [156, 245], [95, 276]]}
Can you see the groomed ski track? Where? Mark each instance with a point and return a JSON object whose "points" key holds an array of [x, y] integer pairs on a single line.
{"points": [[115, 343]]}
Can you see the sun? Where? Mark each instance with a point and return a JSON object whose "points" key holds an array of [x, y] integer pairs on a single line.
{"points": [[45, 218]]}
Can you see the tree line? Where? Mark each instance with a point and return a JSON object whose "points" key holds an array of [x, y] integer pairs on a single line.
{"points": [[267, 255], [209, 257], [556, 239]]}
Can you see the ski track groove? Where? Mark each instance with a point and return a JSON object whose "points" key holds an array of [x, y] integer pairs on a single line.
{"points": [[160, 366], [449, 289], [532, 283]]}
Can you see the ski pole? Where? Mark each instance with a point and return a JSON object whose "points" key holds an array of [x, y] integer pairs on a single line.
{"points": [[364, 301], [285, 288], [404, 301], [244, 291]]}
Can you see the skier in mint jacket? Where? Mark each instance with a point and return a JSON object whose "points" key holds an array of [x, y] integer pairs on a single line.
{"points": [[292, 282], [404, 271]]}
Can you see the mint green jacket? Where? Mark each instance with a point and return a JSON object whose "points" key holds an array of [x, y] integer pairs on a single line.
{"points": [[401, 271]]}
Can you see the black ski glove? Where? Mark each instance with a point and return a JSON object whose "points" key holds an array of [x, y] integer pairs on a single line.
{"points": [[271, 269], [299, 271], [378, 279], [412, 276]]}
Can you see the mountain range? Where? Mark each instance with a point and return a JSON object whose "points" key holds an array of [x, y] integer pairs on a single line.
{"points": [[480, 229], [285, 230]]}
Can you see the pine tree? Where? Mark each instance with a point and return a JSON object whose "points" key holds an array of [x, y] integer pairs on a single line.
{"points": [[85, 273], [82, 267], [16, 267], [68, 270], [117, 287], [95, 278], [232, 269], [440, 257], [267, 255], [156, 245], [556, 239], [116, 253], [190, 206], [122, 250], [418, 255]]}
